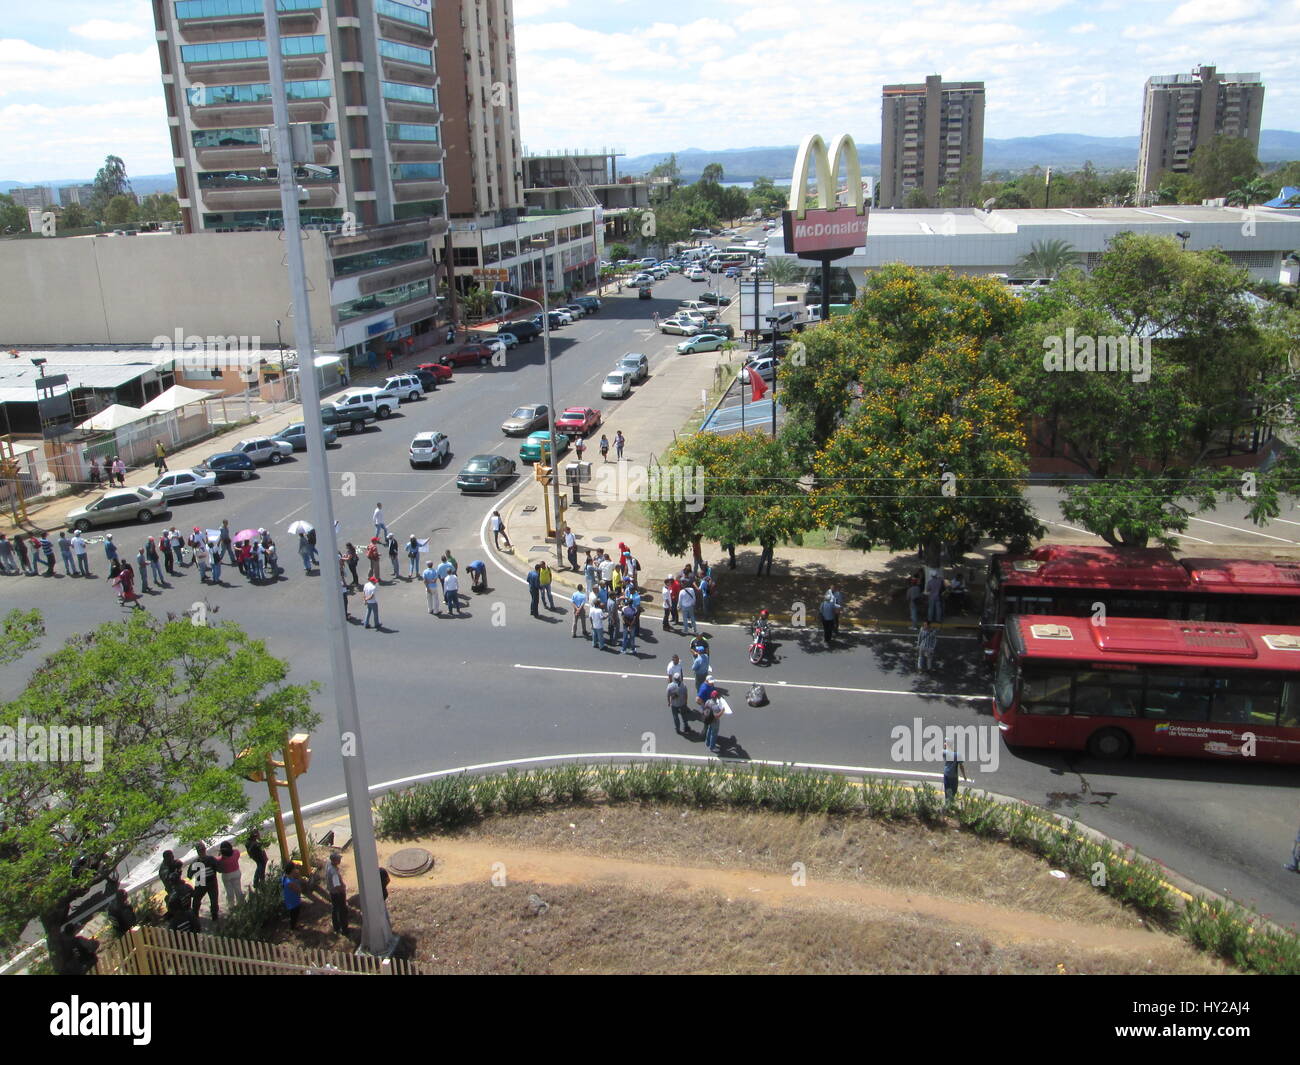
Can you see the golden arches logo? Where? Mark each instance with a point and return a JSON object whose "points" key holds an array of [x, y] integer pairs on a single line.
{"points": [[813, 149]]}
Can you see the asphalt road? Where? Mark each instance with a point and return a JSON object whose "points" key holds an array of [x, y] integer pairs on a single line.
{"points": [[496, 684]]}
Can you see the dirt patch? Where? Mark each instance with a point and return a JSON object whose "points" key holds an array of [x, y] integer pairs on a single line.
{"points": [[632, 889]]}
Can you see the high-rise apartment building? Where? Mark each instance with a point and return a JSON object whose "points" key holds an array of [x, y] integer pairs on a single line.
{"points": [[80, 194], [1180, 111], [480, 99], [37, 197], [931, 134], [361, 73]]}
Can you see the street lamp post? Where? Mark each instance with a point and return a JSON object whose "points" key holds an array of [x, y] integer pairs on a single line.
{"points": [[550, 393], [376, 933]]}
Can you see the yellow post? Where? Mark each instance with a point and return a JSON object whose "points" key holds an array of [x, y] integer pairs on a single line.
{"points": [[271, 786], [292, 768]]}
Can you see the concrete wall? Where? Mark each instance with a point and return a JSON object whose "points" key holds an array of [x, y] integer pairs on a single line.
{"points": [[128, 290]]}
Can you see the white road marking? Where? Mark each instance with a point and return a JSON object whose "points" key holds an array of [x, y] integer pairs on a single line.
{"points": [[1252, 532], [785, 684], [421, 502]]}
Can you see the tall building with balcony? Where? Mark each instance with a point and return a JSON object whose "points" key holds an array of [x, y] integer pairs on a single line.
{"points": [[78, 194], [37, 197], [931, 134], [1180, 111]]}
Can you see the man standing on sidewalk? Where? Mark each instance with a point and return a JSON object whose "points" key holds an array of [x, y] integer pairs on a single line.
{"points": [[432, 591], [498, 530], [79, 552], [571, 547], [338, 894], [579, 601], [619, 443], [534, 589], [370, 593], [451, 592], [160, 458]]}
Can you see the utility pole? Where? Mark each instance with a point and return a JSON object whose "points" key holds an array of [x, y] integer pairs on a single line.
{"points": [[376, 934]]}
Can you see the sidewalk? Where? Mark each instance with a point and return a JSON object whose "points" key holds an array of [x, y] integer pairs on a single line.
{"points": [[873, 583]]}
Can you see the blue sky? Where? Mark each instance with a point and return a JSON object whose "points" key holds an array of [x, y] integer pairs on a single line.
{"points": [[80, 80]]}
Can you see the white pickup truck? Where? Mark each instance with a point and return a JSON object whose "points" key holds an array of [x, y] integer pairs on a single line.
{"points": [[374, 403]]}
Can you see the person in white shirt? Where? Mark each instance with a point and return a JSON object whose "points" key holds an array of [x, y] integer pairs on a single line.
{"points": [[571, 548], [498, 530], [606, 569], [79, 551], [686, 607], [378, 519], [597, 625], [431, 588], [451, 592], [370, 593]]}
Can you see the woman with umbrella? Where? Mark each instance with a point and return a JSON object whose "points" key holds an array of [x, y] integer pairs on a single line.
{"points": [[306, 550]]}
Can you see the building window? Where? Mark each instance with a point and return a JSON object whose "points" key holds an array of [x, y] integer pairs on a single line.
{"points": [[380, 301], [227, 50], [251, 136], [402, 13], [464, 256], [415, 171], [412, 131], [419, 209], [255, 94], [417, 94], [218, 8], [406, 53], [374, 260]]}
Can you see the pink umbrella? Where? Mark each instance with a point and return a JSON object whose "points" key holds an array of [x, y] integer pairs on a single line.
{"points": [[247, 534]]}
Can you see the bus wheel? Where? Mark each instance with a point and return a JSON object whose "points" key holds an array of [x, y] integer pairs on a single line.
{"points": [[1110, 743]]}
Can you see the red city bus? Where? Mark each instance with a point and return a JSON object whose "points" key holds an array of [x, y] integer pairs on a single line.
{"points": [[1150, 686], [1135, 583]]}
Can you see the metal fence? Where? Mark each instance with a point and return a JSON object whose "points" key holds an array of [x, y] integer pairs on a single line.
{"points": [[148, 950]]}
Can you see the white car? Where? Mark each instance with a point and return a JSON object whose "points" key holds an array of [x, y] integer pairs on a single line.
{"points": [[184, 484], [430, 449], [508, 339], [565, 316], [696, 274], [405, 386], [263, 449], [680, 326], [641, 280], [617, 385]]}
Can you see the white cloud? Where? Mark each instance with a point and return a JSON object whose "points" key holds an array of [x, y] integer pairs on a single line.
{"points": [[99, 29], [526, 9], [1194, 12], [1084, 27], [27, 68]]}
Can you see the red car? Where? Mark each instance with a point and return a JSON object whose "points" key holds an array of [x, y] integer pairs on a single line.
{"points": [[581, 420], [468, 355], [441, 372]]}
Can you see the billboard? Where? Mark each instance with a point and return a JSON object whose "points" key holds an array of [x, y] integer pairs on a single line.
{"points": [[826, 231]]}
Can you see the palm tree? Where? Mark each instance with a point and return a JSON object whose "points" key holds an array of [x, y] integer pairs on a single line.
{"points": [[1047, 258], [1243, 193], [783, 271]]}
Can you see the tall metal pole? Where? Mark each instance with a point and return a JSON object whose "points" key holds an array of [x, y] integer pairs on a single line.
{"points": [[376, 934]]}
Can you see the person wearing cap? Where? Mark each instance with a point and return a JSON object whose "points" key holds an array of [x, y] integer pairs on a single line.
{"points": [[372, 556], [338, 890], [79, 552], [165, 545]]}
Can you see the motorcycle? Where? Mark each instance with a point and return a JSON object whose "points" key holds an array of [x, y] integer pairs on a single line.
{"points": [[760, 647]]}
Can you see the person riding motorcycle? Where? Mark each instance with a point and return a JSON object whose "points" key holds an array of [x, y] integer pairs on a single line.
{"points": [[761, 625]]}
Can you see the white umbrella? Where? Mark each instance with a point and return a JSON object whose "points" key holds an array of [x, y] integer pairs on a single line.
{"points": [[300, 527]]}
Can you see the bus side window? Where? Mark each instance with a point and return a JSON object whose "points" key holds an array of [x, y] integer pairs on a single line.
{"points": [[1289, 712]]}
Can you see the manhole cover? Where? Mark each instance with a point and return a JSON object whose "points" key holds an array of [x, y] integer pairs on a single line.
{"points": [[410, 862], [601, 539], [543, 548]]}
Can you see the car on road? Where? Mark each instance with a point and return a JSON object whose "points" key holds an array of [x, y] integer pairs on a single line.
{"points": [[228, 466], [183, 484], [295, 435], [526, 418], [428, 379], [124, 504], [508, 339], [717, 299], [468, 355], [430, 449], [696, 274], [590, 303], [405, 386], [353, 421], [731, 271], [642, 281], [441, 372], [565, 315], [637, 365], [722, 329], [765, 368], [525, 329], [703, 342], [538, 445], [616, 385], [485, 473], [368, 402], [705, 310], [578, 421], [680, 326], [264, 449], [577, 310]]}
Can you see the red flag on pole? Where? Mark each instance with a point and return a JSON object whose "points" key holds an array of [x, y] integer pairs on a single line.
{"points": [[757, 386]]}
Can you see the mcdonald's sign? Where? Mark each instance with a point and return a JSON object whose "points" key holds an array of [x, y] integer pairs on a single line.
{"points": [[826, 231]]}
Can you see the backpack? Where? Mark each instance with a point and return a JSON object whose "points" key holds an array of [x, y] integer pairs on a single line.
{"points": [[757, 695]]}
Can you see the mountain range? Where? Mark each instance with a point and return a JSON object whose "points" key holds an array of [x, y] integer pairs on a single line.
{"points": [[1068, 151]]}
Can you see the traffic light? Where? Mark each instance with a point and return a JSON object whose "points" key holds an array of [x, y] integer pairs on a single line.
{"points": [[297, 756], [542, 473]]}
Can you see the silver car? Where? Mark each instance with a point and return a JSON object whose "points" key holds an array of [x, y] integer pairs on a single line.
{"points": [[263, 449], [184, 484], [124, 504]]}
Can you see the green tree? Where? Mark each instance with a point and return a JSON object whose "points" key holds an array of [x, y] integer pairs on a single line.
{"points": [[1243, 192], [119, 211], [712, 174], [1218, 163], [916, 199], [477, 302], [159, 207], [904, 408], [1119, 188], [13, 216], [783, 270], [618, 251], [1144, 436], [733, 204], [766, 197], [74, 217], [178, 703], [1047, 258], [1173, 187], [110, 181], [1011, 199]]}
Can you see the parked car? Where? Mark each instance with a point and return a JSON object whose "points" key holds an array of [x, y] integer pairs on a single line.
{"points": [[430, 449], [228, 466], [717, 299], [440, 372], [578, 421], [706, 310], [616, 385], [525, 329], [680, 326], [369, 401], [575, 309], [703, 342], [405, 386], [428, 379], [765, 368], [526, 418], [637, 365], [696, 274], [591, 303], [508, 339], [124, 504], [566, 316], [731, 271], [263, 449], [295, 435], [468, 355], [183, 484], [352, 420], [538, 445], [485, 473]]}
